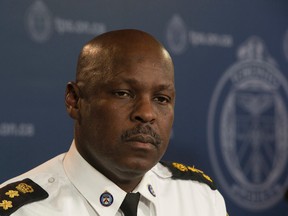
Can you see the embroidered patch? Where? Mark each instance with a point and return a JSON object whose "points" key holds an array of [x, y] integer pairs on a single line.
{"points": [[181, 171], [15, 195]]}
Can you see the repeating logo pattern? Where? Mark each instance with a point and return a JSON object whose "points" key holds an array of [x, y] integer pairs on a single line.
{"points": [[247, 128], [39, 22], [179, 37]]}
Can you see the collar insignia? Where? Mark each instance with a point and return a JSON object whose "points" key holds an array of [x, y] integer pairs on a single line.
{"points": [[106, 199], [151, 190]]}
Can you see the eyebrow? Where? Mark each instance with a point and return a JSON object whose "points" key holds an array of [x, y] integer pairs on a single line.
{"points": [[163, 86]]}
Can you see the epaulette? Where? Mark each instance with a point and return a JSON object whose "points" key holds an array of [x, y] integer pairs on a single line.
{"points": [[181, 171], [15, 195]]}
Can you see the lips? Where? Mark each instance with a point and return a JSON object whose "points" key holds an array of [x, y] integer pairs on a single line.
{"points": [[143, 134], [143, 139]]}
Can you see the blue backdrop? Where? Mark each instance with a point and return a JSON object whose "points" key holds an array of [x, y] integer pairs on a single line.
{"points": [[231, 61]]}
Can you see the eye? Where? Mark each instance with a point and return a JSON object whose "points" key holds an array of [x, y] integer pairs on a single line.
{"points": [[123, 94], [162, 99]]}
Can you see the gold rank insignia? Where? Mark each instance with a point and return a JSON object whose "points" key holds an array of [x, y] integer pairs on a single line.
{"points": [[24, 188], [12, 193], [6, 204], [181, 171], [17, 194]]}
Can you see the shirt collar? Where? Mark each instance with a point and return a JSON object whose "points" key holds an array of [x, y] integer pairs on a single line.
{"points": [[146, 187], [92, 184]]}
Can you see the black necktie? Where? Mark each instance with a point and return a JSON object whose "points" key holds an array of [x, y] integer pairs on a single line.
{"points": [[130, 203]]}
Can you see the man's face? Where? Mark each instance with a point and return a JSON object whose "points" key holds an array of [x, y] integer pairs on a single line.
{"points": [[126, 121]]}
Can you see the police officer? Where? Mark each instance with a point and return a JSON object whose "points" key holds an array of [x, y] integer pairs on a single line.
{"points": [[123, 105]]}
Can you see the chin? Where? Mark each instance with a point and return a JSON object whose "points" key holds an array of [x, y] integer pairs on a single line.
{"points": [[140, 165]]}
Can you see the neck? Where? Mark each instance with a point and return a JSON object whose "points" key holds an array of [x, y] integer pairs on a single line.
{"points": [[128, 186]]}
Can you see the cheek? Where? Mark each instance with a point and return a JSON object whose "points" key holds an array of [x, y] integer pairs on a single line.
{"points": [[165, 126], [103, 110], [108, 121], [167, 118]]}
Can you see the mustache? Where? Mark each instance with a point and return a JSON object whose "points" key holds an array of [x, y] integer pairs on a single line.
{"points": [[137, 134]]}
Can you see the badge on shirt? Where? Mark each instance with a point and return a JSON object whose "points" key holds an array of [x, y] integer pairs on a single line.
{"points": [[15, 195], [106, 199]]}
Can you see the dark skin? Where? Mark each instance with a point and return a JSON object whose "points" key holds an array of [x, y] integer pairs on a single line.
{"points": [[123, 104]]}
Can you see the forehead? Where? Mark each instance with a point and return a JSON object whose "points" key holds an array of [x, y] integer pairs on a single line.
{"points": [[142, 68], [118, 59]]}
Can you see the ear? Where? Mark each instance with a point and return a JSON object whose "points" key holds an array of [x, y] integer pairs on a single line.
{"points": [[72, 100]]}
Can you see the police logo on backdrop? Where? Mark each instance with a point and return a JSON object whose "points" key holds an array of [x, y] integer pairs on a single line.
{"points": [[177, 35], [247, 129], [285, 45], [39, 22]]}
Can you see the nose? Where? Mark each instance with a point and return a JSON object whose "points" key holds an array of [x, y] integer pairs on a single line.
{"points": [[143, 111]]}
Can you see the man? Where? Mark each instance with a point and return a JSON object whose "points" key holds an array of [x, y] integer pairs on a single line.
{"points": [[123, 106]]}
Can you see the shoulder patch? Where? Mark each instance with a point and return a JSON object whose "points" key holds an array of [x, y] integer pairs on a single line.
{"points": [[181, 171], [15, 195]]}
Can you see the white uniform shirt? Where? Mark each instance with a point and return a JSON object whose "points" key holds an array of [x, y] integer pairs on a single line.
{"points": [[75, 188]]}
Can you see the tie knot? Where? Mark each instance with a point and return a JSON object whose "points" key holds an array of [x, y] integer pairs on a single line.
{"points": [[130, 203]]}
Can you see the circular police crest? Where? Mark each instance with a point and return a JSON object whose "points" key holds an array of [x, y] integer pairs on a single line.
{"points": [[177, 35], [39, 22], [151, 190], [247, 133], [285, 45], [106, 199]]}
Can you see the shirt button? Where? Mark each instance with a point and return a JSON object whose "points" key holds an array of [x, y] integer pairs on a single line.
{"points": [[51, 180]]}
